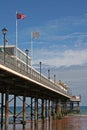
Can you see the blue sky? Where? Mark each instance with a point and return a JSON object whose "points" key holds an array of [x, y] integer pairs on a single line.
{"points": [[62, 45]]}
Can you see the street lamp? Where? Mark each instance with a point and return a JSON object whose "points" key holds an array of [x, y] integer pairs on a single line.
{"points": [[4, 31], [27, 51], [40, 69], [49, 74], [54, 78]]}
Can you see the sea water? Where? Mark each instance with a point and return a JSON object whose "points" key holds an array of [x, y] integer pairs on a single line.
{"points": [[19, 109], [83, 110]]}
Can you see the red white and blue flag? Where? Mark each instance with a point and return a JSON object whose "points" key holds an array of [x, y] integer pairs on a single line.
{"points": [[20, 16]]}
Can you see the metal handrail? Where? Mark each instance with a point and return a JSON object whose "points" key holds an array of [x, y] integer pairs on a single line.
{"points": [[13, 63]]}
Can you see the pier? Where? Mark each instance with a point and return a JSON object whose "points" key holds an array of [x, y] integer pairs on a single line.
{"points": [[19, 81]]}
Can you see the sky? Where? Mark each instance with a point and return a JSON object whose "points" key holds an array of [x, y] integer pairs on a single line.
{"points": [[62, 44]]}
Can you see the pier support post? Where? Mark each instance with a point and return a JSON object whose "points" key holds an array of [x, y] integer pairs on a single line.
{"points": [[6, 111], [31, 108], [49, 112], [49, 109], [24, 112], [64, 108], [59, 114], [45, 107], [14, 117], [43, 110], [71, 106], [2, 107], [56, 102], [36, 110], [53, 108], [78, 107]]}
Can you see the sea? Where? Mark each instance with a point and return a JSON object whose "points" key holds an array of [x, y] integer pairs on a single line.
{"points": [[83, 110], [19, 112]]}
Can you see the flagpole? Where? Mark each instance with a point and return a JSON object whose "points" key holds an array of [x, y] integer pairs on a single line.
{"points": [[16, 33], [31, 50], [33, 36]]}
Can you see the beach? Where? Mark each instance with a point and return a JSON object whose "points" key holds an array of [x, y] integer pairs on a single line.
{"points": [[70, 122]]}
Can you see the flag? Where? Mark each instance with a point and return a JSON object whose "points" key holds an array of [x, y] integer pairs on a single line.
{"points": [[20, 16], [35, 34]]}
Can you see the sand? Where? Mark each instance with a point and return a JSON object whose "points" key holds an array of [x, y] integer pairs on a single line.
{"points": [[71, 122]]}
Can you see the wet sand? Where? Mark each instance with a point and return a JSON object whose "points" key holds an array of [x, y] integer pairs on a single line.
{"points": [[71, 122]]}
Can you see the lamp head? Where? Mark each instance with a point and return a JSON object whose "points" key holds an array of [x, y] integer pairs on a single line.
{"points": [[4, 31], [26, 51]]}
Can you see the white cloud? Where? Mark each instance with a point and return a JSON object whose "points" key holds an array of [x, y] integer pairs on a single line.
{"points": [[66, 58]]}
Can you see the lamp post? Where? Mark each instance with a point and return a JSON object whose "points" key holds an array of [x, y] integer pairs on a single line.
{"points": [[40, 69], [4, 31], [49, 74], [27, 51], [54, 78]]}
